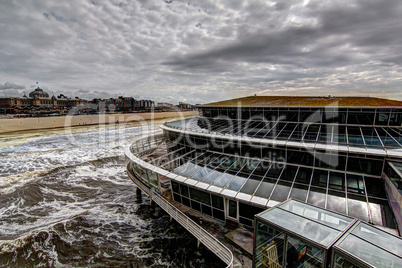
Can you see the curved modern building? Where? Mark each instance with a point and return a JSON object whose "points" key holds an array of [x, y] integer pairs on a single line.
{"points": [[318, 160]]}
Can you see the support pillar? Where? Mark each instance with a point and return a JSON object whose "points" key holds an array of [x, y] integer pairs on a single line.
{"points": [[138, 194]]}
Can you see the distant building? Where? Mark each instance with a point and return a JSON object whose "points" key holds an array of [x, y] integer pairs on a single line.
{"points": [[38, 100], [183, 105], [165, 104]]}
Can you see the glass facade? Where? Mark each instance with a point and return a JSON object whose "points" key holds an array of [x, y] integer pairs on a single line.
{"points": [[299, 234], [335, 164], [351, 116], [367, 246], [212, 204], [370, 137], [343, 182]]}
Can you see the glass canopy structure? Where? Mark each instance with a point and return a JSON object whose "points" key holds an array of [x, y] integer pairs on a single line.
{"points": [[295, 234], [380, 140], [341, 155]]}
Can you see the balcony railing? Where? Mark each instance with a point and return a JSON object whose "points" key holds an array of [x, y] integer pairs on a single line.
{"points": [[201, 234]]}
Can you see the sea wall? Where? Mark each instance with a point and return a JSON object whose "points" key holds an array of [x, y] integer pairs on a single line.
{"points": [[21, 124]]}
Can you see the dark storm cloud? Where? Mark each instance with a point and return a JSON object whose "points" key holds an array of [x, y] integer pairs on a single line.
{"points": [[8, 85], [342, 36]]}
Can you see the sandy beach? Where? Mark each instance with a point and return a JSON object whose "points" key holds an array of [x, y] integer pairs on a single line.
{"points": [[21, 124]]}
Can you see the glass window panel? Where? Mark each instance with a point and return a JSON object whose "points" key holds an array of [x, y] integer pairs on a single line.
{"points": [[217, 202], [336, 181], [269, 246], [320, 178], [265, 188], [211, 177], [300, 157], [335, 220], [328, 160], [369, 253], [232, 210], [218, 214], [223, 180], [201, 173], [375, 187], [360, 117], [336, 201], [371, 137], [364, 165], [251, 185], [183, 168], [393, 175], [357, 207], [273, 132], [286, 131], [325, 134], [339, 135], [289, 173], [395, 134], [298, 133], [186, 201], [378, 237], [175, 187], [314, 231], [395, 118], [281, 191], [355, 136], [316, 197], [261, 169], [195, 205], [189, 172], [299, 192], [314, 116], [206, 210], [200, 196], [381, 213], [184, 190], [236, 183], [248, 211], [274, 171], [304, 175], [382, 117], [355, 184], [177, 197], [387, 140], [311, 133], [301, 254]]}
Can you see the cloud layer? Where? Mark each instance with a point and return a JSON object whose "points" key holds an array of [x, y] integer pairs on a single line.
{"points": [[201, 51]]}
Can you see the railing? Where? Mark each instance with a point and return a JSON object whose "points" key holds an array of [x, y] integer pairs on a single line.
{"points": [[202, 235]]}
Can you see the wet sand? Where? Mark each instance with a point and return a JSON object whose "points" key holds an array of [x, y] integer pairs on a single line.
{"points": [[32, 123]]}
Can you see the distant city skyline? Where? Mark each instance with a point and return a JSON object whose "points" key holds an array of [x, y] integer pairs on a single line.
{"points": [[200, 52]]}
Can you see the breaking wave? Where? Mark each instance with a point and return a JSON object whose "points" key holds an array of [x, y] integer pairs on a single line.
{"points": [[66, 201]]}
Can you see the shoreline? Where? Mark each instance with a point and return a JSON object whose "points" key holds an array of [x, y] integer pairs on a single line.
{"points": [[36, 123]]}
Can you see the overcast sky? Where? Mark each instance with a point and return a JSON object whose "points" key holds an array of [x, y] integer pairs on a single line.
{"points": [[201, 51]]}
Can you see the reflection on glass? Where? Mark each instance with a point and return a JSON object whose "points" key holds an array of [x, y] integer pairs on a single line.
{"points": [[314, 231], [236, 183], [337, 221], [301, 254], [269, 246], [369, 253]]}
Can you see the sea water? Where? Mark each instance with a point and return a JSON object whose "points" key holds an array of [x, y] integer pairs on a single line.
{"points": [[66, 201]]}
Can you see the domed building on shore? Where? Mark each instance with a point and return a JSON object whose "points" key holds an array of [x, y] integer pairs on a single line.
{"points": [[38, 99], [39, 93]]}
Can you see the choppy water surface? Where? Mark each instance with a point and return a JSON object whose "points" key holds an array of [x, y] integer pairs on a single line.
{"points": [[66, 201]]}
